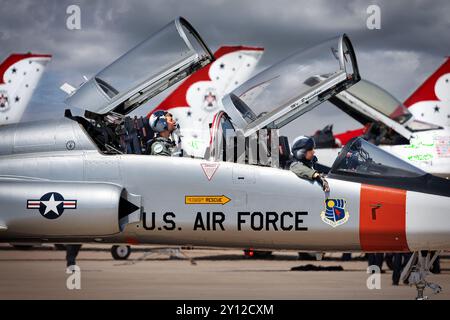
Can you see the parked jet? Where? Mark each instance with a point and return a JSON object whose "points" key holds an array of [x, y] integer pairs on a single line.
{"points": [[65, 180]]}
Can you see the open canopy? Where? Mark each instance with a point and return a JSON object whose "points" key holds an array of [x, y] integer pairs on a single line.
{"points": [[380, 100], [169, 55], [366, 102], [283, 92]]}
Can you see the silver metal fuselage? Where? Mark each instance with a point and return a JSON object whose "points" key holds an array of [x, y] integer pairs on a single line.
{"points": [[268, 207]]}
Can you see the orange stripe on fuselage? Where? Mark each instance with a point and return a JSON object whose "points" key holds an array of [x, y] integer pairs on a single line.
{"points": [[382, 219]]}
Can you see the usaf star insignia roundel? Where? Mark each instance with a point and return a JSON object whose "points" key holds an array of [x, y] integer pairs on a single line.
{"points": [[335, 213], [51, 205]]}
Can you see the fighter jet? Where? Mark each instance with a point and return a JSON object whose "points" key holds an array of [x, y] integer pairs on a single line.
{"points": [[19, 76], [65, 181]]}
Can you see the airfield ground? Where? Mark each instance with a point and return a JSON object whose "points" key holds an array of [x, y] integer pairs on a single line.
{"points": [[217, 274]]}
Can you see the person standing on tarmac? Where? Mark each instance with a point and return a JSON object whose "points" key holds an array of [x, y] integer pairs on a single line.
{"points": [[71, 254], [305, 161], [164, 125]]}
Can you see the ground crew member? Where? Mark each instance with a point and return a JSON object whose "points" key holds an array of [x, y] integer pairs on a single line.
{"points": [[72, 253]]}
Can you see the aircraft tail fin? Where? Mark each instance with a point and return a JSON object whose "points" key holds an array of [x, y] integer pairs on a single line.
{"points": [[431, 101], [19, 76], [233, 65]]}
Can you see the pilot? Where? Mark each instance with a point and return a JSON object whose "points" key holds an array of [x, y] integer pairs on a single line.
{"points": [[305, 161], [164, 125]]}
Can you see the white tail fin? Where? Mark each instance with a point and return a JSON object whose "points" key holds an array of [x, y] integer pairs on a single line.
{"points": [[431, 101], [19, 76], [195, 102]]}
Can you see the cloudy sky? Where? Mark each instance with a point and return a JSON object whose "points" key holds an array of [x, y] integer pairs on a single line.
{"points": [[412, 42]]}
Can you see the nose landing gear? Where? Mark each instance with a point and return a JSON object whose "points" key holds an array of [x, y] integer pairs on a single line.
{"points": [[416, 271]]}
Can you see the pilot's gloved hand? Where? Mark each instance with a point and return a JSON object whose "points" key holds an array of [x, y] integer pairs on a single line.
{"points": [[178, 153], [325, 185], [322, 181]]}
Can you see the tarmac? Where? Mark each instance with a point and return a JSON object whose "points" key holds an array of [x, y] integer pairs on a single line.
{"points": [[197, 273]]}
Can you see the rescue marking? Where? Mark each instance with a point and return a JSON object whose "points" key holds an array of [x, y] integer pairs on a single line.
{"points": [[209, 169], [335, 213], [206, 199]]}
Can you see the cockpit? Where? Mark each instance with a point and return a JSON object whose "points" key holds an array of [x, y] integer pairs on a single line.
{"points": [[360, 161], [278, 95], [361, 158]]}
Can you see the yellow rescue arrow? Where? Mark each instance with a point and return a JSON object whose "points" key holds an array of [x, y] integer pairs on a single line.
{"points": [[206, 199]]}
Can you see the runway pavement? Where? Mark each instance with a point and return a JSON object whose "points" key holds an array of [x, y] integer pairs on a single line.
{"points": [[217, 274]]}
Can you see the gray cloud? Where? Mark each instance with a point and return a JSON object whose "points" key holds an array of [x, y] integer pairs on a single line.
{"points": [[411, 44]]}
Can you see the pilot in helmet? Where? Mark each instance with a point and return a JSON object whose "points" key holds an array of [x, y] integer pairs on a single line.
{"points": [[305, 160], [164, 125]]}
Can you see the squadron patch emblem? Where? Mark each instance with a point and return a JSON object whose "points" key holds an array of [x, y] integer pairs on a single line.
{"points": [[158, 148], [335, 213]]}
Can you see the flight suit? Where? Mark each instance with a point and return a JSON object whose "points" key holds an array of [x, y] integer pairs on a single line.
{"points": [[302, 170], [162, 147], [305, 169]]}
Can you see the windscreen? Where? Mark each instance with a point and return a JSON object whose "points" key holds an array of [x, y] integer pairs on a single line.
{"points": [[360, 157]]}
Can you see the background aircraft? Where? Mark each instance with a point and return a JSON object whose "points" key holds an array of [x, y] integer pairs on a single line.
{"points": [[19, 76], [388, 123], [431, 101]]}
